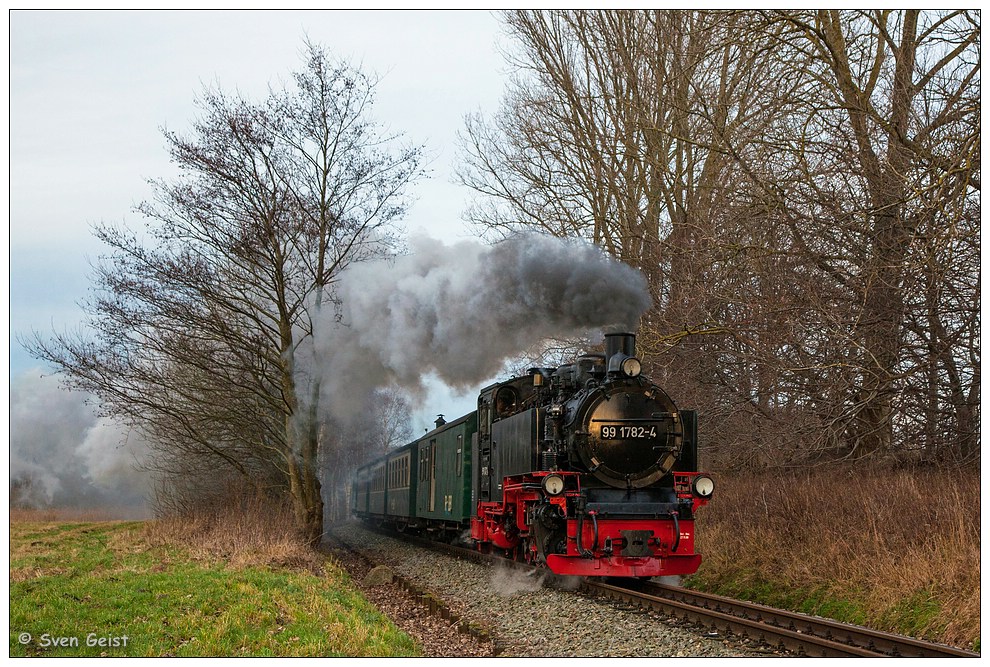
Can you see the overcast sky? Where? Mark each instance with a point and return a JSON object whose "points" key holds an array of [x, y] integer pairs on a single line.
{"points": [[91, 90]]}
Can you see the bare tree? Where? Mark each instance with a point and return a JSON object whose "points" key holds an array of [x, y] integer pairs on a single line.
{"points": [[195, 331], [800, 188], [629, 129], [390, 414], [893, 102]]}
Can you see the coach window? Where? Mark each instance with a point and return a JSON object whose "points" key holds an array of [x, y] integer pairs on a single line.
{"points": [[460, 449]]}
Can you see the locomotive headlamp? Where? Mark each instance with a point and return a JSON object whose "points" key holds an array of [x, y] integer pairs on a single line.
{"points": [[631, 367], [704, 486], [553, 485]]}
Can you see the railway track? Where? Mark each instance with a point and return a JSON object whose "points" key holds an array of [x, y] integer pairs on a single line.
{"points": [[800, 634]]}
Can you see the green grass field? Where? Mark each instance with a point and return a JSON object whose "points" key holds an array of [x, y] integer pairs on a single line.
{"points": [[105, 589]]}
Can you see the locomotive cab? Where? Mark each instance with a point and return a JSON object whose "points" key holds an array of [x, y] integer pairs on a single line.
{"points": [[509, 413], [506, 402]]}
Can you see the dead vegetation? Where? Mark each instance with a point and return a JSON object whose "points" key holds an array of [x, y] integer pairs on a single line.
{"points": [[241, 530], [68, 514], [897, 550]]}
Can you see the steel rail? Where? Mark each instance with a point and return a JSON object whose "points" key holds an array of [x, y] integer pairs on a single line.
{"points": [[799, 633]]}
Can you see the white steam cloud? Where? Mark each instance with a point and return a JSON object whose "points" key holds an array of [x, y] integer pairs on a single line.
{"points": [[460, 312], [63, 455], [508, 581]]}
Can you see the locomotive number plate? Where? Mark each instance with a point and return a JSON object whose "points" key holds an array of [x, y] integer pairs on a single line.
{"points": [[628, 432]]}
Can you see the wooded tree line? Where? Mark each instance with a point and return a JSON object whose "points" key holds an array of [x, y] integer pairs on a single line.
{"points": [[802, 191]]}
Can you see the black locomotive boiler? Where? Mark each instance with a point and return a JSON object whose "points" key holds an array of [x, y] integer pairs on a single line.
{"points": [[588, 468]]}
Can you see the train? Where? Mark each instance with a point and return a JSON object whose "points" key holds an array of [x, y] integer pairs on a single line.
{"points": [[587, 469]]}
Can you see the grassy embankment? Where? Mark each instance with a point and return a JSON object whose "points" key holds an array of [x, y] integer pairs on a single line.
{"points": [[893, 550], [203, 588], [897, 550]]}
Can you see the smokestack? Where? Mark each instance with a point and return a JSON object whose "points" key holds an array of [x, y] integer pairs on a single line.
{"points": [[620, 355], [619, 343]]}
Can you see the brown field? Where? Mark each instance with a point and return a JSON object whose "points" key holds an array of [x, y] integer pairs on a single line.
{"points": [[69, 514], [245, 533], [897, 550]]}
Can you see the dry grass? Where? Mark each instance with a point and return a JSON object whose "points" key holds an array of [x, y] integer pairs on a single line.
{"points": [[247, 532], [238, 527], [64, 514], [897, 550]]}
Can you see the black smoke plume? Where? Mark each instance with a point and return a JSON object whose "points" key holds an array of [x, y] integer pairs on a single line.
{"points": [[461, 311]]}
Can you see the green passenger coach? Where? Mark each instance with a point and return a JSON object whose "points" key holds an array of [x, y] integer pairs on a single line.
{"points": [[424, 485]]}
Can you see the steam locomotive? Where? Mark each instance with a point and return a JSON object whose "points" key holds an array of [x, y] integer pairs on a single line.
{"points": [[589, 469]]}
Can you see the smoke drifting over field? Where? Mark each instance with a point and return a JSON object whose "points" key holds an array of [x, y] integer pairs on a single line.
{"points": [[62, 455], [461, 311]]}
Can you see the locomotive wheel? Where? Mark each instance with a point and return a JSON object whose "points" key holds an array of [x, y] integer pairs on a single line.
{"points": [[527, 552]]}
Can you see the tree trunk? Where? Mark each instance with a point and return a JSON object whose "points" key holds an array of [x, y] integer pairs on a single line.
{"points": [[302, 442], [307, 500], [881, 319]]}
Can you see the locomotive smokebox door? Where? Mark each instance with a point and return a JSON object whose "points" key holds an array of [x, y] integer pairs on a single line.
{"points": [[632, 439]]}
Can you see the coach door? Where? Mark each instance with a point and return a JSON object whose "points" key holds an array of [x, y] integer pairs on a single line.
{"points": [[432, 463]]}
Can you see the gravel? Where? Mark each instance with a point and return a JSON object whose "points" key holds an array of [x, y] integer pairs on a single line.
{"points": [[529, 617]]}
